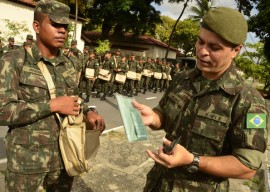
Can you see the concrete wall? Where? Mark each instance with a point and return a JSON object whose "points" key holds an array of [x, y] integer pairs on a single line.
{"points": [[152, 51]]}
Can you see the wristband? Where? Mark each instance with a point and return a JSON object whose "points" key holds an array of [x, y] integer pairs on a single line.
{"points": [[90, 109]]}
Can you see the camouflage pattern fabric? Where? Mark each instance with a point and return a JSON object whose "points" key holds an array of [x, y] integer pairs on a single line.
{"points": [[32, 139], [57, 12], [212, 121], [108, 64], [92, 64]]}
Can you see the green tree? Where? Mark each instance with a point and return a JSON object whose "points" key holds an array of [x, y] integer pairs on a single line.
{"points": [[202, 6], [120, 16], [176, 22], [260, 24], [14, 29], [185, 36], [103, 45], [163, 30], [254, 64]]}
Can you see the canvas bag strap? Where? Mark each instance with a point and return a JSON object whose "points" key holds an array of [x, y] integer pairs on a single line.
{"points": [[45, 72]]}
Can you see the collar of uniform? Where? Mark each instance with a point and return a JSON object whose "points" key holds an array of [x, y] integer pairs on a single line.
{"points": [[231, 82], [36, 54]]}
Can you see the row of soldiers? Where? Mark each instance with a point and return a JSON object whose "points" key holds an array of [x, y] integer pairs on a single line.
{"points": [[118, 72], [112, 73], [11, 44]]}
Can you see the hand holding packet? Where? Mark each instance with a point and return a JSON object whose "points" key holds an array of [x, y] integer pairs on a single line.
{"points": [[132, 120]]}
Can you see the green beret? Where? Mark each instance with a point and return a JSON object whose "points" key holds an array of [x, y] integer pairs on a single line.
{"points": [[228, 23], [57, 12]]}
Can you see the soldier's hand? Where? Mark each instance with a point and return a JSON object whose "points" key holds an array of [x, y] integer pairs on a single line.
{"points": [[95, 121], [66, 105], [179, 156]]}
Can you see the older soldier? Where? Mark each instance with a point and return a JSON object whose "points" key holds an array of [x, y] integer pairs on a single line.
{"points": [[34, 162], [220, 123]]}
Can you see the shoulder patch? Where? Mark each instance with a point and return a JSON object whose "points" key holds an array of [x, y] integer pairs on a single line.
{"points": [[256, 120]]}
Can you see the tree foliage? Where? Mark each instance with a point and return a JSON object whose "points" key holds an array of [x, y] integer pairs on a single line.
{"points": [[185, 36], [202, 6], [255, 65], [260, 24], [14, 29], [120, 16]]}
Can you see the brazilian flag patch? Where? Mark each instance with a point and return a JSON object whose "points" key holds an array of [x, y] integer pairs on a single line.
{"points": [[256, 120]]}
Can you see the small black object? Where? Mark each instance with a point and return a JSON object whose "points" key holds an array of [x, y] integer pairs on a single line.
{"points": [[168, 148]]}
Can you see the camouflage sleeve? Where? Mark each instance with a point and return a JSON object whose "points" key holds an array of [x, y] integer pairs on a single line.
{"points": [[14, 110], [249, 135]]}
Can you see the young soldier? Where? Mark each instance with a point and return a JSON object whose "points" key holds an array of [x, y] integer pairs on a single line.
{"points": [[34, 161]]}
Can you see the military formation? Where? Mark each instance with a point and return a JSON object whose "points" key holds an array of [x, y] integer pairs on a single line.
{"points": [[119, 72], [110, 73]]}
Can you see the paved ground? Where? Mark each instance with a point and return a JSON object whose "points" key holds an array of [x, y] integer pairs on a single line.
{"points": [[121, 166]]}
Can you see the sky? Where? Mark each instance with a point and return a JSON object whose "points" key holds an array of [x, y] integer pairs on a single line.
{"points": [[173, 10]]}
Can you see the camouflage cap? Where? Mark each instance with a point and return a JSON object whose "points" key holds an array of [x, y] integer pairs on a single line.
{"points": [[57, 12], [92, 52], [108, 52], [228, 23], [86, 47], [74, 42], [30, 37], [11, 39]]}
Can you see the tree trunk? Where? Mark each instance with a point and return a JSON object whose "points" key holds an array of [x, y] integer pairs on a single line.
{"points": [[174, 27], [76, 19]]}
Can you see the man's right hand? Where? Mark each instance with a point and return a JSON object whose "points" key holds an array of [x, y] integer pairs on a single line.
{"points": [[67, 105]]}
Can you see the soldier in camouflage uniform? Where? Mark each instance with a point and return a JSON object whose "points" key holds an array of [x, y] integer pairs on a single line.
{"points": [[91, 63], [145, 81], [122, 68], [137, 82], [158, 69], [30, 39], [10, 46], [220, 121], [107, 64], [34, 162], [132, 64]]}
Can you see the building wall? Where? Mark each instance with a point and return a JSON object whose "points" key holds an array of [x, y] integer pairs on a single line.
{"points": [[24, 14], [152, 51]]}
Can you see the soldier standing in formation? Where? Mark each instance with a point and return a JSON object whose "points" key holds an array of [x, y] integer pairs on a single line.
{"points": [[122, 68], [132, 64], [91, 63], [10, 46], [104, 85]]}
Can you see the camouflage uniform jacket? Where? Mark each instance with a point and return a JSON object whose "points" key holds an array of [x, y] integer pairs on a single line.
{"points": [[93, 64], [123, 66], [212, 121], [32, 138], [132, 65], [148, 66]]}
